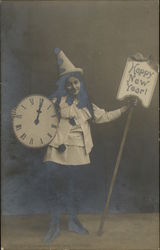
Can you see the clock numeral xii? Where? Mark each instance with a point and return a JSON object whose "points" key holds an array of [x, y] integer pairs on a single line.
{"points": [[41, 101]]}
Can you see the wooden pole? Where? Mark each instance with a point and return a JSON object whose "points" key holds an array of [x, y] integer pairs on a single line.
{"points": [[102, 221]]}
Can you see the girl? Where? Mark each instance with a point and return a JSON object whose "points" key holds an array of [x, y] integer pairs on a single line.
{"points": [[68, 153]]}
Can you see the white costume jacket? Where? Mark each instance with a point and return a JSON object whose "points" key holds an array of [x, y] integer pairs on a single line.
{"points": [[78, 136]]}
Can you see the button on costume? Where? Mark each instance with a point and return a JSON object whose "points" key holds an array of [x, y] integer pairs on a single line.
{"points": [[68, 153]]}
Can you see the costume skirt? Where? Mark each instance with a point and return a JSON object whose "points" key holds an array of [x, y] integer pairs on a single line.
{"points": [[73, 155]]}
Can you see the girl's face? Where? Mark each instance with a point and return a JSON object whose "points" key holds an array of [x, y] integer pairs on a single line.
{"points": [[73, 85]]}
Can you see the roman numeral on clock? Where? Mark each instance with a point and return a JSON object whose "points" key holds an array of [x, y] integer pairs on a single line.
{"points": [[31, 141], [49, 106], [18, 127], [49, 135], [41, 140], [23, 136], [53, 126], [41, 101], [23, 106], [31, 100], [18, 116]]}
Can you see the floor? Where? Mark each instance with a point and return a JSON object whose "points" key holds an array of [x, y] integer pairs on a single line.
{"points": [[121, 232]]}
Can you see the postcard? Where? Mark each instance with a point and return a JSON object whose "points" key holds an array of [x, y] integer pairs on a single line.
{"points": [[79, 119]]}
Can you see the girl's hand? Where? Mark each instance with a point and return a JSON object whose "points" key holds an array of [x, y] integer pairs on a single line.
{"points": [[124, 109], [130, 102]]}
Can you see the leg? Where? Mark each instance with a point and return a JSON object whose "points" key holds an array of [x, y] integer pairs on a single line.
{"points": [[74, 224], [55, 196]]}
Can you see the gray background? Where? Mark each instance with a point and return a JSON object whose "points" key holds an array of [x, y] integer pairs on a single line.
{"points": [[97, 36]]}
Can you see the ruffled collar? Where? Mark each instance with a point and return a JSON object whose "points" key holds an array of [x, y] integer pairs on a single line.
{"points": [[68, 111]]}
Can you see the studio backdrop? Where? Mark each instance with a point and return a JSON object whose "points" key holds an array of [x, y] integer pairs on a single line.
{"points": [[97, 36]]}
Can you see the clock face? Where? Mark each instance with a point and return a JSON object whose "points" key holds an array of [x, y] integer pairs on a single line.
{"points": [[35, 121]]}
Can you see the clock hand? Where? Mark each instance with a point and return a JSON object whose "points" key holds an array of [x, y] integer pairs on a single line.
{"points": [[36, 121], [38, 112]]}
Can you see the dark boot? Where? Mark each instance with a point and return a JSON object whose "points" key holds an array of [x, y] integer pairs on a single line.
{"points": [[53, 232], [74, 225]]}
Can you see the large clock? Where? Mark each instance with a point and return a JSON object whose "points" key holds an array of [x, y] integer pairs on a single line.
{"points": [[35, 121]]}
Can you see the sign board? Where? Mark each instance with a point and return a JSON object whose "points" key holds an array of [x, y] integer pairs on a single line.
{"points": [[139, 79]]}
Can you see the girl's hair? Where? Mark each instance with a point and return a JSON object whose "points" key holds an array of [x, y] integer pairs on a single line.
{"points": [[82, 96]]}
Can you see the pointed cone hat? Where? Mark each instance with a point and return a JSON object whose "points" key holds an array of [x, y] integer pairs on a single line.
{"points": [[64, 64]]}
